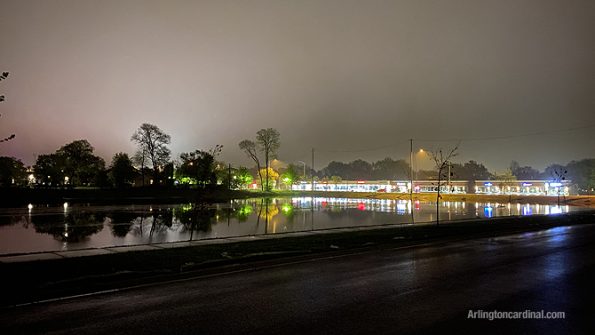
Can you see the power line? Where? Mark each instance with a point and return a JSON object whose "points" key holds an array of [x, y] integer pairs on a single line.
{"points": [[508, 136], [463, 139]]}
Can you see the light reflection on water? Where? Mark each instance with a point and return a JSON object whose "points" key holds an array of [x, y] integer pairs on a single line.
{"points": [[72, 227]]}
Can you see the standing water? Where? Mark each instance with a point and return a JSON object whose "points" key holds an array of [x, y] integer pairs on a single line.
{"points": [[72, 227]]}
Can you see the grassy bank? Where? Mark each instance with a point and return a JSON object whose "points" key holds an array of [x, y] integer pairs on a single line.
{"points": [[17, 197], [574, 200], [36, 280]]}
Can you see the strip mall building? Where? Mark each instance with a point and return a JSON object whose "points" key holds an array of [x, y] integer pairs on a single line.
{"points": [[510, 187]]}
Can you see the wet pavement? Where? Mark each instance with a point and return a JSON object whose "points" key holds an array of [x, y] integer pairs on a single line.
{"points": [[428, 288]]}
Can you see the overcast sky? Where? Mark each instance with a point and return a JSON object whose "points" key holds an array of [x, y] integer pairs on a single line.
{"points": [[349, 78]]}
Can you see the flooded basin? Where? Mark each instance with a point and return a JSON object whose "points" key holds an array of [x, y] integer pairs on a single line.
{"points": [[39, 228]]}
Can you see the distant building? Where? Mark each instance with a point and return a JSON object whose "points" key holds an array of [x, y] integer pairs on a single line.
{"points": [[523, 187], [495, 187]]}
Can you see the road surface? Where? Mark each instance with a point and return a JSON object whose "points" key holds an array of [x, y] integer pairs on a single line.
{"points": [[428, 288]]}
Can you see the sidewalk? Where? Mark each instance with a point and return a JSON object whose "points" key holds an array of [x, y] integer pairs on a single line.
{"points": [[50, 255]]}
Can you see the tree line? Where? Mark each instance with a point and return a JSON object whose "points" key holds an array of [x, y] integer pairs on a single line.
{"points": [[76, 165]]}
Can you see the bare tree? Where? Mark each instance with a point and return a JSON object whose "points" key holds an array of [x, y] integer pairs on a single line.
{"points": [[559, 175], [268, 140], [249, 147], [152, 146], [3, 76], [442, 160]]}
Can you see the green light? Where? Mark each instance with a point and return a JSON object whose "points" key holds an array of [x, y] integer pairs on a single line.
{"points": [[287, 209]]}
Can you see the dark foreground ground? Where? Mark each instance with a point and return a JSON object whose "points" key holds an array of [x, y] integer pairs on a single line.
{"points": [[39, 280], [428, 288]]}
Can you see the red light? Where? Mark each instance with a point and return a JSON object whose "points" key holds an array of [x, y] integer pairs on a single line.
{"points": [[361, 206]]}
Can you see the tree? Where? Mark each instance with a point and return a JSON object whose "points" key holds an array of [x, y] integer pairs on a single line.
{"points": [[48, 169], [389, 168], [244, 177], [359, 169], [269, 142], [523, 172], [80, 166], [471, 171], [335, 168], [249, 147], [442, 161], [582, 174], [121, 170], [199, 166], [559, 175], [289, 176], [272, 175], [152, 147], [12, 172], [3, 76]]}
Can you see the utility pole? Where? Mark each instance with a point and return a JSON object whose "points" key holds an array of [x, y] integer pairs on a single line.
{"points": [[411, 179], [448, 183], [312, 171], [229, 177]]}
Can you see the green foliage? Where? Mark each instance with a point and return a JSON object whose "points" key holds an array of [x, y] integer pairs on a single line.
{"points": [[244, 177], [272, 175], [289, 176], [197, 167]]}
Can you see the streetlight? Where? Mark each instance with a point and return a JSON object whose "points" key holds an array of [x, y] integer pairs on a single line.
{"points": [[419, 152]]}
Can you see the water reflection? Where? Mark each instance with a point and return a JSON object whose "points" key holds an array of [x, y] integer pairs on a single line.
{"points": [[121, 222], [75, 227]]}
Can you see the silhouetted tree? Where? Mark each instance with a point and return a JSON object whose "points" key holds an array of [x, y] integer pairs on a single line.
{"points": [[3, 76], [523, 172], [198, 165], [48, 169], [12, 172], [442, 160], [582, 173], [121, 172], [389, 168], [152, 147], [80, 165]]}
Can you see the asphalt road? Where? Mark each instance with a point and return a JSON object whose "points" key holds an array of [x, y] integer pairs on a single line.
{"points": [[424, 289]]}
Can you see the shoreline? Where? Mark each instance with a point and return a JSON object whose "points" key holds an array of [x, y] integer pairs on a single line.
{"points": [[18, 197], [573, 200]]}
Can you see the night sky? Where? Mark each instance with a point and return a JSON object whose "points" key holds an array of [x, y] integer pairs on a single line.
{"points": [[354, 79]]}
